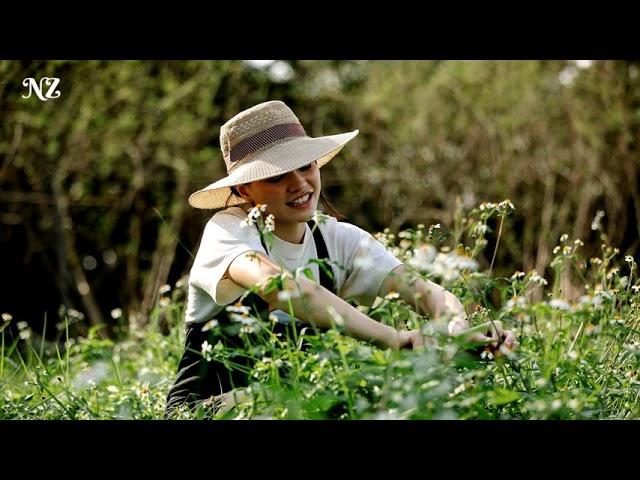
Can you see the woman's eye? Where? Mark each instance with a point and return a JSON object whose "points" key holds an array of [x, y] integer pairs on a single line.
{"points": [[275, 179], [280, 177]]}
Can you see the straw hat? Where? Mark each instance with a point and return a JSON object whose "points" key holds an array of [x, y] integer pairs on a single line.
{"points": [[265, 141]]}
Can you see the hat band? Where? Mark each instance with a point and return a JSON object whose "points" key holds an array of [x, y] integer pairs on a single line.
{"points": [[263, 139]]}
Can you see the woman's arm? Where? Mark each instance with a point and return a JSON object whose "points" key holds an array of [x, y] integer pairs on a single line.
{"points": [[426, 296], [443, 306], [313, 303]]}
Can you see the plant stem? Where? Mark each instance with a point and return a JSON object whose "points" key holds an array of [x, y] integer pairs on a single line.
{"points": [[495, 250]]}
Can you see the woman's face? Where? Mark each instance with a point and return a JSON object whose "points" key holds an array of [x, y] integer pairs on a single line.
{"points": [[291, 198]]}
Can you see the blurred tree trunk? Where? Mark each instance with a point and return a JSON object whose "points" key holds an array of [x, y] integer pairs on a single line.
{"points": [[167, 242]]}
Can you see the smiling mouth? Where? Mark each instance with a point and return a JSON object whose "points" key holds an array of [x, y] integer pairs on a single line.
{"points": [[301, 200]]}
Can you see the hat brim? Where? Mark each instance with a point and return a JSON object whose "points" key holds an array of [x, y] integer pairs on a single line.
{"points": [[276, 160]]}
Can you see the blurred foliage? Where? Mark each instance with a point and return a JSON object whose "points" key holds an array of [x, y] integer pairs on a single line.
{"points": [[93, 185]]}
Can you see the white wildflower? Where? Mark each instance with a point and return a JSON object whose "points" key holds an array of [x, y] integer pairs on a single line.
{"points": [[506, 204], [207, 351], [515, 302], [392, 295], [633, 347], [164, 289], [91, 376], [432, 229], [584, 300], [6, 317], [255, 213], [600, 297], [541, 382], [335, 316], [459, 389], [247, 222], [487, 206], [486, 354], [72, 313], [164, 301], [243, 319], [270, 223], [481, 228], [517, 274], [422, 257], [286, 295], [249, 328], [629, 259], [595, 224], [116, 313], [564, 237], [559, 304], [209, 325], [536, 278], [238, 308]]}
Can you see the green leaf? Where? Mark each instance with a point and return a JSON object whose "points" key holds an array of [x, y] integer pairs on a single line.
{"points": [[502, 396], [323, 265]]}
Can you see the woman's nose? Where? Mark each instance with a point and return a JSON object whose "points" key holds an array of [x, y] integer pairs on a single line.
{"points": [[296, 181]]}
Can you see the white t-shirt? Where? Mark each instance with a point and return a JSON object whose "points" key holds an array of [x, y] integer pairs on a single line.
{"points": [[366, 261]]}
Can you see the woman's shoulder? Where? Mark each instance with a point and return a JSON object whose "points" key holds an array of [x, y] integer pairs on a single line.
{"points": [[346, 234], [230, 213], [227, 224], [225, 231], [228, 217], [346, 228]]}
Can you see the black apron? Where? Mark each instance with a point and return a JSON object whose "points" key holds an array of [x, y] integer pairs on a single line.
{"points": [[199, 379]]}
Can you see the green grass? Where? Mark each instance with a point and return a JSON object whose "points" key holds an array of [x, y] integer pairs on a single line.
{"points": [[578, 359]]}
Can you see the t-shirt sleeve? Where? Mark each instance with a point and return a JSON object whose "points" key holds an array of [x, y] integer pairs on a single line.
{"points": [[224, 238], [367, 261]]}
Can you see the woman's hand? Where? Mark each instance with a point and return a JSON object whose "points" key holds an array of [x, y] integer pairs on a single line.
{"points": [[409, 339], [491, 334]]}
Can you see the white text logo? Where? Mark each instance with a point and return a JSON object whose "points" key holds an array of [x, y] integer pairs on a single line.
{"points": [[33, 86]]}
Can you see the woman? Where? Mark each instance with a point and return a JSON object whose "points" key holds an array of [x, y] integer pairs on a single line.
{"points": [[274, 170]]}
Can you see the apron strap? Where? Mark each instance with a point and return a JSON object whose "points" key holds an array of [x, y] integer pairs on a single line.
{"points": [[321, 249]]}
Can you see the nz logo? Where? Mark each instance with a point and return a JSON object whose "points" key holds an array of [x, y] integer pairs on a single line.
{"points": [[38, 89]]}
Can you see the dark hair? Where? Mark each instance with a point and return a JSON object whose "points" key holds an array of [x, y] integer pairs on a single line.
{"points": [[328, 206], [234, 193], [326, 203]]}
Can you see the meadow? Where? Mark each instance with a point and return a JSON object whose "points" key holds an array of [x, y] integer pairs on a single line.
{"points": [[578, 355]]}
